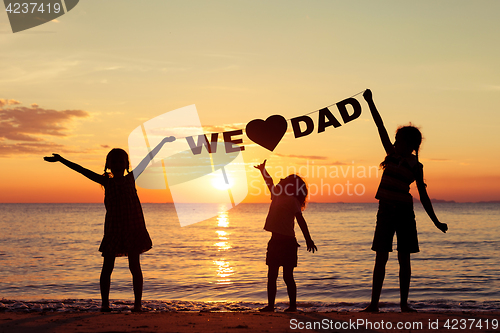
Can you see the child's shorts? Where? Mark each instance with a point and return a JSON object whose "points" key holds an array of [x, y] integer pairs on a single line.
{"points": [[396, 218], [282, 251]]}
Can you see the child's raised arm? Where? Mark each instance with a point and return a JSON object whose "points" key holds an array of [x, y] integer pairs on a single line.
{"points": [[267, 178], [386, 141], [78, 168], [305, 231], [145, 162], [426, 202]]}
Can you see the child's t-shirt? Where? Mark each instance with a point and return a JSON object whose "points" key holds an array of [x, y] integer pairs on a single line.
{"points": [[281, 216], [398, 174]]}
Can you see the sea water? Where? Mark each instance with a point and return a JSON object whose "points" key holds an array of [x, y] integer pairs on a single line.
{"points": [[49, 259]]}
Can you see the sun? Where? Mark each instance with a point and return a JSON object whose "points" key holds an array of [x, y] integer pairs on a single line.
{"points": [[220, 183]]}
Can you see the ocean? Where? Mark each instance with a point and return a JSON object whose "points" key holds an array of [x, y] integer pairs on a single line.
{"points": [[49, 259]]}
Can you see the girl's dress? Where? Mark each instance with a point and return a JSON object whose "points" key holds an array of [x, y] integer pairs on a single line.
{"points": [[124, 227], [282, 247]]}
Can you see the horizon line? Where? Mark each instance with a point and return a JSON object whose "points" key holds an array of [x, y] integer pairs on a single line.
{"points": [[310, 202]]}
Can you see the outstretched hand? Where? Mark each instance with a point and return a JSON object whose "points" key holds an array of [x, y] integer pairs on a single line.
{"points": [[368, 94], [169, 139], [261, 166], [53, 158], [310, 246], [441, 226]]}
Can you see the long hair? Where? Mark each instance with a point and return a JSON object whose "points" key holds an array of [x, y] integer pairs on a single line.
{"points": [[410, 135], [299, 188], [116, 155]]}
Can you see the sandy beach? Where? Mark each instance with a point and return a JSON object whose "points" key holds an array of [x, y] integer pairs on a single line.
{"points": [[248, 322]]}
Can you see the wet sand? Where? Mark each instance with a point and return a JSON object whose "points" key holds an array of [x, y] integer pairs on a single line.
{"points": [[207, 322]]}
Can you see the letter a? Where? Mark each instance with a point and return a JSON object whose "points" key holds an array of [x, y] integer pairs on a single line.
{"points": [[322, 123]]}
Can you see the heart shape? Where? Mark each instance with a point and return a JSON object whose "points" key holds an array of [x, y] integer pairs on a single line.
{"points": [[267, 133]]}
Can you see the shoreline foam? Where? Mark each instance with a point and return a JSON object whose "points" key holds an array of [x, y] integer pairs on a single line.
{"points": [[119, 306]]}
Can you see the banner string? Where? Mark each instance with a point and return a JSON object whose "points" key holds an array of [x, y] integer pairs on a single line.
{"points": [[362, 91], [312, 111]]}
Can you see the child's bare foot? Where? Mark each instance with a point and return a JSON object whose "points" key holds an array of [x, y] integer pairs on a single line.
{"points": [[407, 308], [267, 309], [105, 309], [291, 309], [137, 309], [371, 308]]}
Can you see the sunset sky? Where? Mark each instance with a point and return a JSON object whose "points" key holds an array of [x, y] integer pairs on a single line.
{"points": [[81, 84]]}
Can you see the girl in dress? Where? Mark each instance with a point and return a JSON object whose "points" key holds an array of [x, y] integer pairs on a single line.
{"points": [[288, 201], [125, 231], [395, 212]]}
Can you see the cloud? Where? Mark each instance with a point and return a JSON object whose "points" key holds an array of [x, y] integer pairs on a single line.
{"points": [[437, 159], [4, 102], [307, 157], [223, 128], [26, 124], [337, 163], [24, 130], [39, 148]]}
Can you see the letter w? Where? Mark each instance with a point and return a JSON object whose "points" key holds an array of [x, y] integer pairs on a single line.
{"points": [[203, 141]]}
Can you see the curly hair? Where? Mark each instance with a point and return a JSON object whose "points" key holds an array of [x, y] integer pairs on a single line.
{"points": [[409, 134]]}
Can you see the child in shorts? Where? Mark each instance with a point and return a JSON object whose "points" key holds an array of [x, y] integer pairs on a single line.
{"points": [[395, 213], [288, 201]]}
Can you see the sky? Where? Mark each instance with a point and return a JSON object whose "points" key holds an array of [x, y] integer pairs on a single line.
{"points": [[81, 84]]}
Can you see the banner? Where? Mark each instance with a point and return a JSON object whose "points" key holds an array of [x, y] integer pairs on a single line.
{"points": [[206, 177], [268, 133]]}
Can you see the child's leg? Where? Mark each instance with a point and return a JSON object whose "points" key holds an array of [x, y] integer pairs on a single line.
{"points": [[404, 279], [378, 280], [290, 286], [134, 265], [105, 280], [272, 276]]}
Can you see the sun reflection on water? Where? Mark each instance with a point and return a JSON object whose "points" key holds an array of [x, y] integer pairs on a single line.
{"points": [[221, 234], [224, 270], [222, 220]]}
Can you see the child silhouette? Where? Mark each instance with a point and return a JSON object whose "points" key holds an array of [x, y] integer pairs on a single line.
{"points": [[125, 231], [395, 213], [288, 200]]}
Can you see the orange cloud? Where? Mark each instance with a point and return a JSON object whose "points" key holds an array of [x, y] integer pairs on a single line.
{"points": [[308, 157], [223, 128], [4, 102], [33, 148], [31, 125]]}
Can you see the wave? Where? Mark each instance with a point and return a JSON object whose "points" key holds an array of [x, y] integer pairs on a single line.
{"points": [[91, 305]]}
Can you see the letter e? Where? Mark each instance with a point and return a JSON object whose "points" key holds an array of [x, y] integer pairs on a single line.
{"points": [[229, 142]]}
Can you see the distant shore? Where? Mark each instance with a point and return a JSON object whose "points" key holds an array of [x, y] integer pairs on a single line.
{"points": [[416, 200], [17, 322]]}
